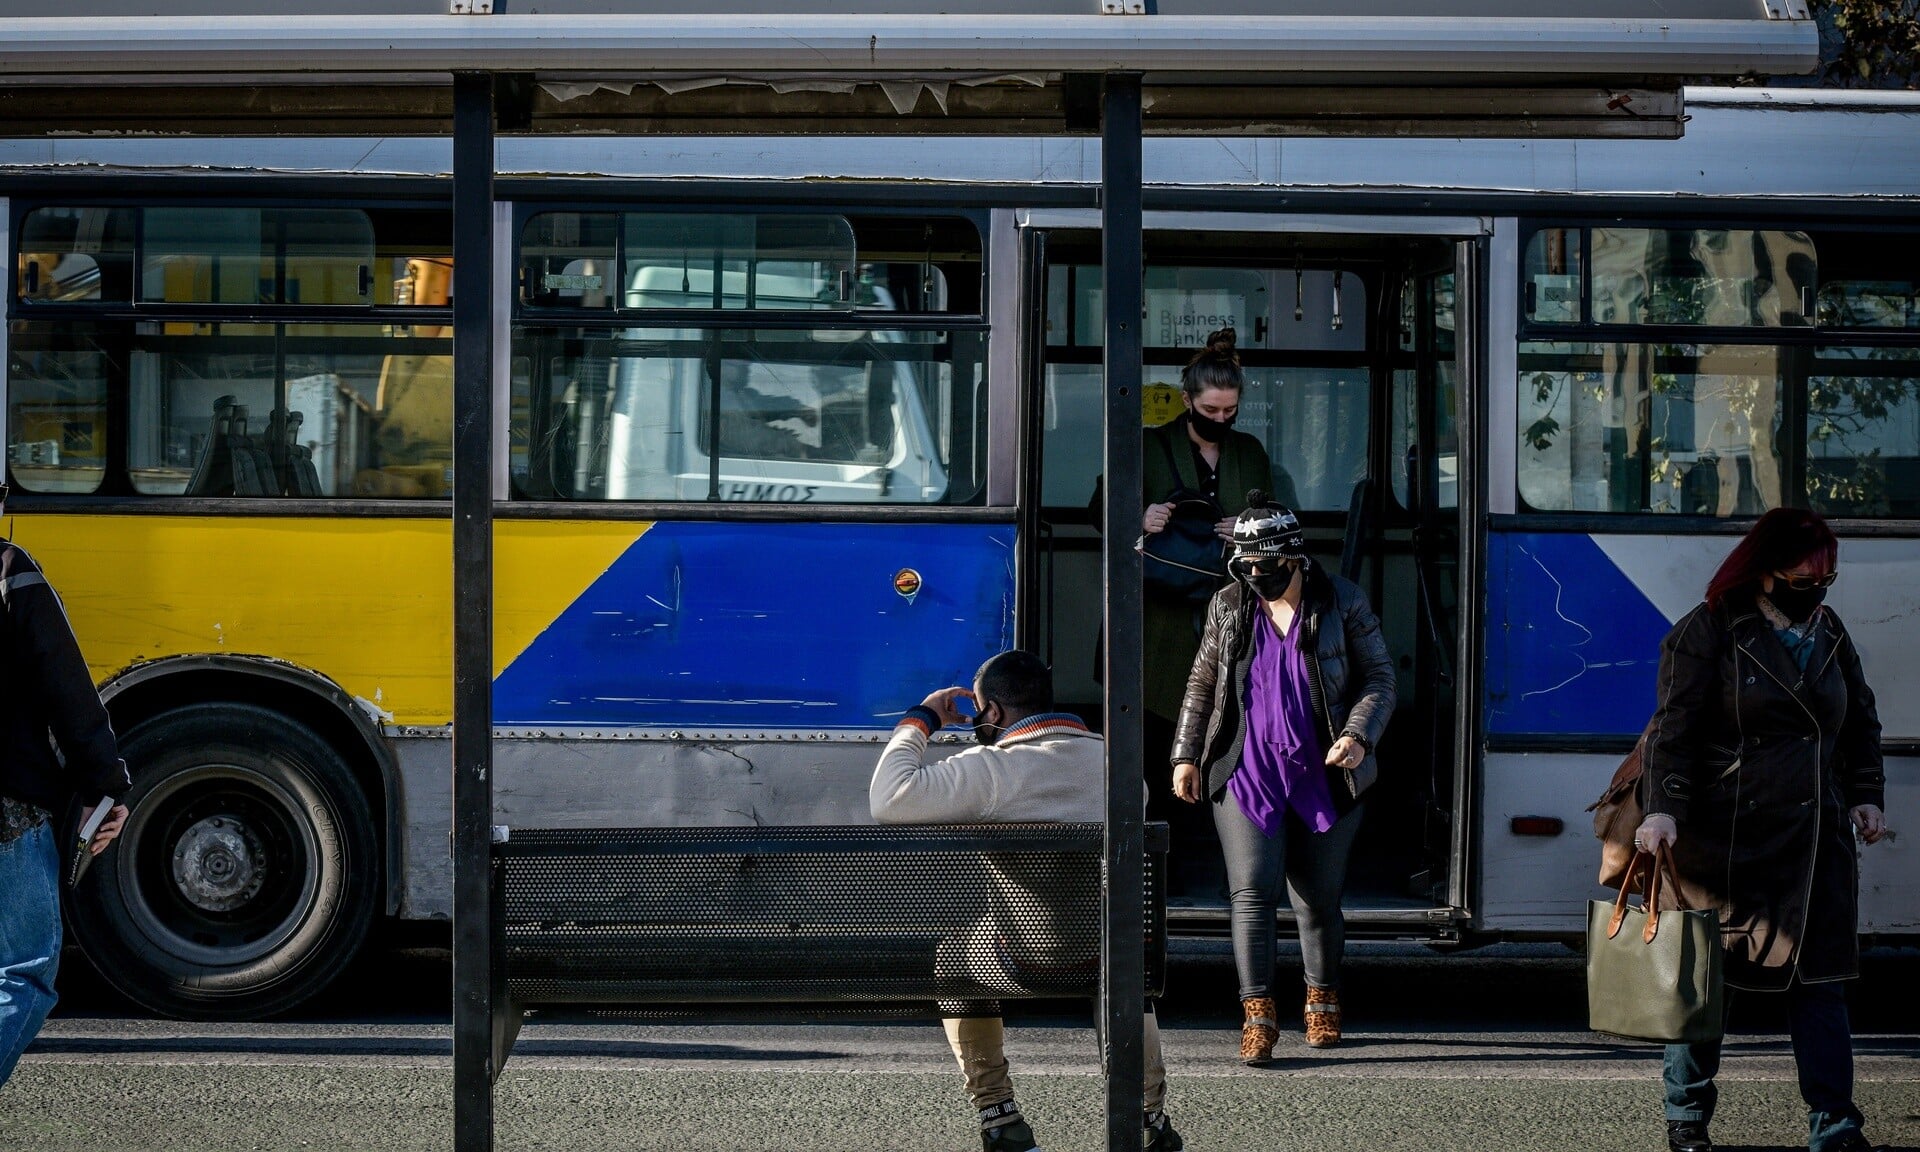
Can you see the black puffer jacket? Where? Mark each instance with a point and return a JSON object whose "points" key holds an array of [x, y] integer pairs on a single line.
{"points": [[1758, 763], [45, 688], [1353, 695]]}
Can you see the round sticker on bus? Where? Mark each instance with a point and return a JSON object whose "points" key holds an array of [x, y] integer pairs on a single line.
{"points": [[907, 583]]}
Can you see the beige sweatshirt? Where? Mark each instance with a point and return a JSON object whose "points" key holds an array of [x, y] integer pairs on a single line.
{"points": [[1047, 767]]}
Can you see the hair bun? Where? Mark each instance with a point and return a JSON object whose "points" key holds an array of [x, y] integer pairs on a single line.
{"points": [[1215, 365]]}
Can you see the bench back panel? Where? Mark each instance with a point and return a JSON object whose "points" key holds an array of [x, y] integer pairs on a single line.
{"points": [[813, 914]]}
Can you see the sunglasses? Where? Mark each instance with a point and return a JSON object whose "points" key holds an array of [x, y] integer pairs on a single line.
{"points": [[1265, 565], [1803, 583]]}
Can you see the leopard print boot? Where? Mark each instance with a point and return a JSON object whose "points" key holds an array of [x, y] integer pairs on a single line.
{"points": [[1261, 1030], [1323, 1017]]}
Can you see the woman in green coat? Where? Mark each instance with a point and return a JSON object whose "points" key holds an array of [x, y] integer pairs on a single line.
{"points": [[1206, 456]]}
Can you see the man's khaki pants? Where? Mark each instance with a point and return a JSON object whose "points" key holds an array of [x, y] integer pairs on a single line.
{"points": [[980, 1044]]}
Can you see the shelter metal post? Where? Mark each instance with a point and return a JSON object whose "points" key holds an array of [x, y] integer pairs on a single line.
{"points": [[473, 351], [1123, 966]]}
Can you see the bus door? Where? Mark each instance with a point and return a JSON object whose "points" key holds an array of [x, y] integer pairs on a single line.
{"points": [[1350, 341], [1421, 566]]}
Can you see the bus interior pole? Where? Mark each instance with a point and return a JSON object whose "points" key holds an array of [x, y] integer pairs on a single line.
{"points": [[1123, 955], [472, 558]]}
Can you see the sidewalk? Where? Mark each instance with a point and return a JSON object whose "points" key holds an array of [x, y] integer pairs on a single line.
{"points": [[98, 1085]]}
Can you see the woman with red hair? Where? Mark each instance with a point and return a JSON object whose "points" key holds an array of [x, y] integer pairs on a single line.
{"points": [[1762, 762]]}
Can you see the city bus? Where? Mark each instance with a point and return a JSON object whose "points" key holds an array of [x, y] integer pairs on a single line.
{"points": [[791, 432]]}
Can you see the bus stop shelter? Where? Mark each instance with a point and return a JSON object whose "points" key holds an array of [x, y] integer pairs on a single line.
{"points": [[1116, 69]]}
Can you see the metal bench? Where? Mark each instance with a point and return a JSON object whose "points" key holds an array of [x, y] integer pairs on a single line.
{"points": [[959, 915]]}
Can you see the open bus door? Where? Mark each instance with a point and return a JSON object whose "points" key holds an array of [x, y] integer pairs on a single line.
{"points": [[1425, 459], [1354, 335]]}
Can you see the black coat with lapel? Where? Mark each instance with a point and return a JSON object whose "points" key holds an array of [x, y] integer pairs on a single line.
{"points": [[1759, 764]]}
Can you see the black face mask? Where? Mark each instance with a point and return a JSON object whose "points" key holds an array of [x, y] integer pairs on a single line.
{"points": [[1207, 428], [1270, 587], [981, 729], [1796, 604]]}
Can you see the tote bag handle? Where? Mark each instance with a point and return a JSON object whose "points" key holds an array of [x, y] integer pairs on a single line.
{"points": [[1655, 863]]}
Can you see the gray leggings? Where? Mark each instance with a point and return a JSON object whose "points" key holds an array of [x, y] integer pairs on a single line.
{"points": [[1315, 864]]}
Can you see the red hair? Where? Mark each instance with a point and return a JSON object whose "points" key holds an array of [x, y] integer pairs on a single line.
{"points": [[1778, 541]]}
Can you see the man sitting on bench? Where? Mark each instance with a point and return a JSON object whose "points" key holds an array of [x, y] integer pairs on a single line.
{"points": [[1031, 764]]}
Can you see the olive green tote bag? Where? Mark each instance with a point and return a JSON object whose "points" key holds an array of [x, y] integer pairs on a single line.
{"points": [[1653, 975]]}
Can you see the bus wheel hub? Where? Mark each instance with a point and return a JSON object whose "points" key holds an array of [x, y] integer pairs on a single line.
{"points": [[216, 864]]}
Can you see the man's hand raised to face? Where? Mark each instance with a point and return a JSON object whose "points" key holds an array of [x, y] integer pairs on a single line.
{"points": [[942, 704]]}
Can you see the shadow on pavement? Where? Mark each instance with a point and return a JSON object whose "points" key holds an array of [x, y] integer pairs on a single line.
{"points": [[253, 1045]]}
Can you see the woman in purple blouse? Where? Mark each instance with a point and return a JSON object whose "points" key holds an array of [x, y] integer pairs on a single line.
{"points": [[1289, 695]]}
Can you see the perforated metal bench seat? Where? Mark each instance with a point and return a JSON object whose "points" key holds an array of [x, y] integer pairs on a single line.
{"points": [[820, 914]]}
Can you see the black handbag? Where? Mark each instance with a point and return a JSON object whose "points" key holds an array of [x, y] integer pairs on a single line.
{"points": [[1185, 560]]}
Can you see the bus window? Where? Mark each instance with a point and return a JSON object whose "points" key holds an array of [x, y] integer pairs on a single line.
{"points": [[57, 382], [1073, 424], [1651, 428], [1863, 432], [1724, 429], [1185, 304], [299, 410], [1314, 423], [781, 399], [1552, 276], [1313, 420], [423, 282], [1268, 308], [205, 255], [1433, 349], [839, 405], [70, 255], [766, 263], [833, 416], [1870, 304], [280, 400], [1869, 280], [1302, 333], [1721, 277], [567, 260], [691, 261]]}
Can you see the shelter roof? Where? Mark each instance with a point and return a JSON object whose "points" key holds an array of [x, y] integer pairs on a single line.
{"points": [[1446, 67]]}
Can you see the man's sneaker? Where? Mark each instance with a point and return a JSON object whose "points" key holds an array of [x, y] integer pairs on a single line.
{"points": [[1003, 1129], [1160, 1136], [1013, 1136]]}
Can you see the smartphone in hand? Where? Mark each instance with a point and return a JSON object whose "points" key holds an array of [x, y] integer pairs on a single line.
{"points": [[86, 825]]}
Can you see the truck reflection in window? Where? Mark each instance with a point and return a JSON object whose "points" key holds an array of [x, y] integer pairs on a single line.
{"points": [[825, 415], [780, 410]]}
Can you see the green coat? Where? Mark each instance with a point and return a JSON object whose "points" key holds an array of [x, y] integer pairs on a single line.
{"points": [[1171, 627]]}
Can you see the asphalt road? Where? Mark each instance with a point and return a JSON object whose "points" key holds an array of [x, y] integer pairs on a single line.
{"points": [[1483, 1051]]}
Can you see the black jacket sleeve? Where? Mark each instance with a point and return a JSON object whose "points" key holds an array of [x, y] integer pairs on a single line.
{"points": [[48, 659], [1198, 705], [1686, 698], [1863, 778], [1372, 667]]}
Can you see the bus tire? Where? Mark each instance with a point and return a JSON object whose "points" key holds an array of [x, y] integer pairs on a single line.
{"points": [[247, 873]]}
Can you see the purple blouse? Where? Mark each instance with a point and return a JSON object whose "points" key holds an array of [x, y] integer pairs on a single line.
{"points": [[1281, 765]]}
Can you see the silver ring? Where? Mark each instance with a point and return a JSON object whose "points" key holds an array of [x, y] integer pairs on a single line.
{"points": [[1638, 844]]}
